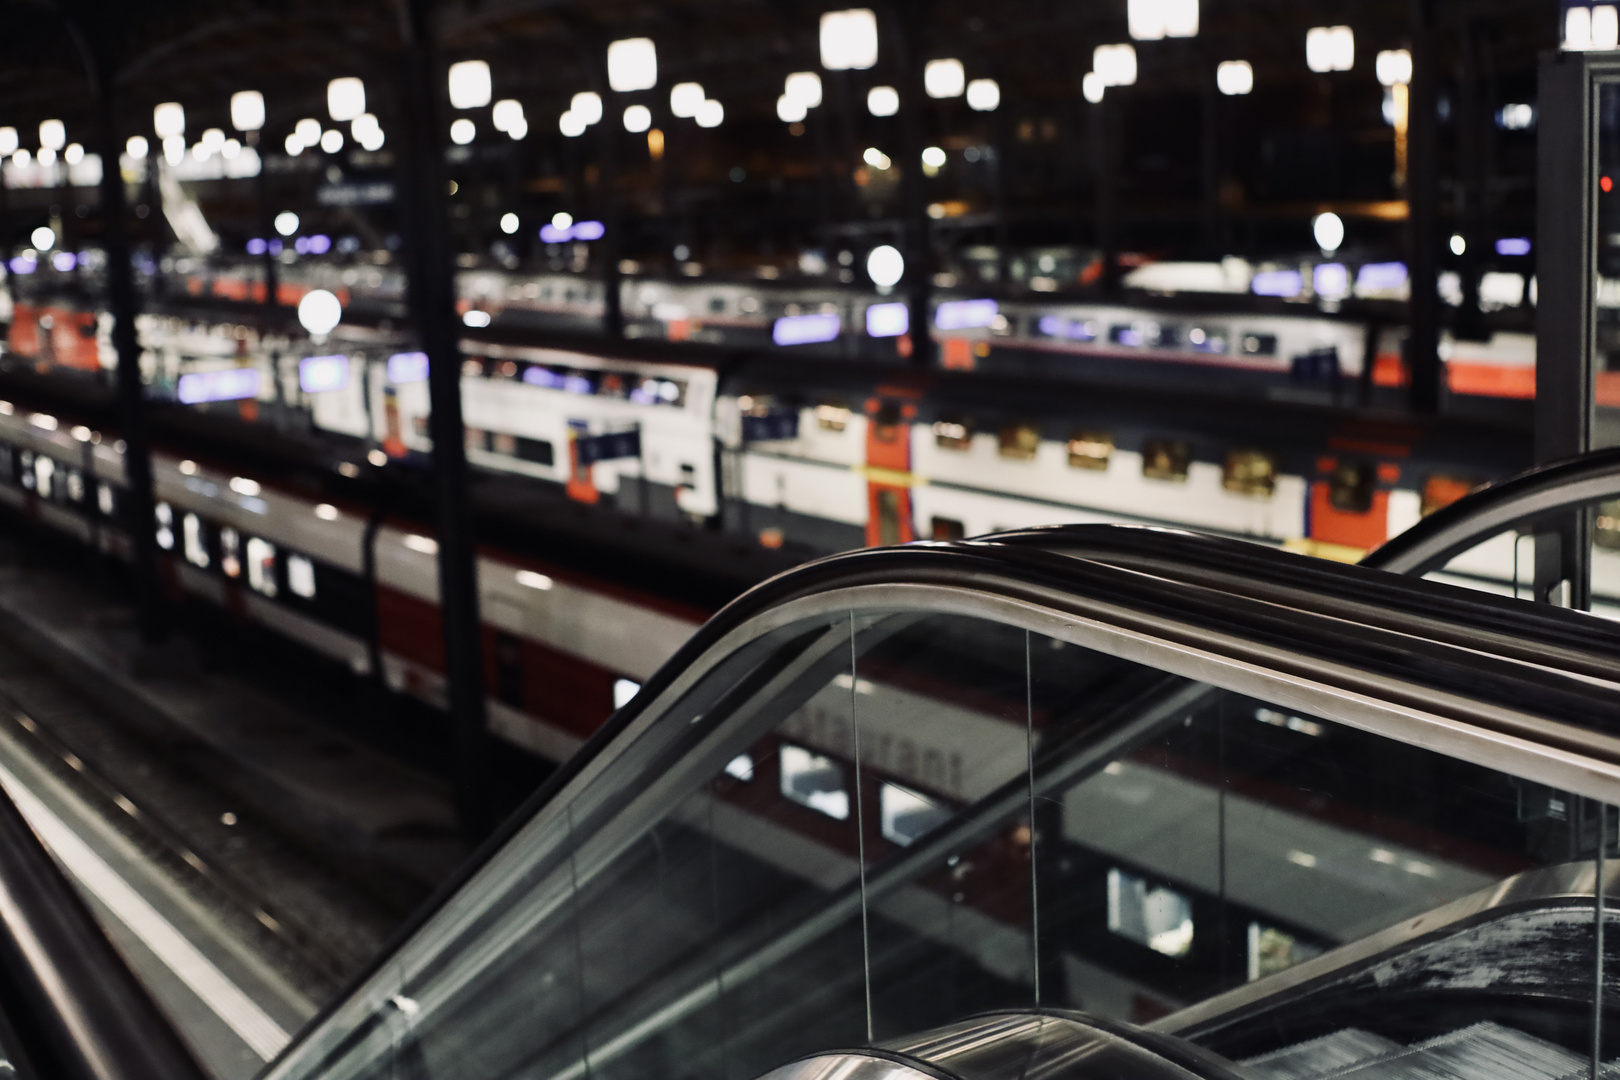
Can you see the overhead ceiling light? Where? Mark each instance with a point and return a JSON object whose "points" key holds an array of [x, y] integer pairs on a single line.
{"points": [[469, 84], [345, 98], [463, 131], [319, 312], [804, 87], [169, 119], [571, 124], [73, 154], [247, 110], [587, 105], [637, 118], [685, 99], [44, 238], [632, 65], [137, 147], [1115, 65], [1328, 229], [507, 114], [710, 114], [789, 109], [52, 134], [984, 95], [1151, 20], [9, 141], [308, 131], [885, 266], [1394, 67], [882, 101], [1234, 77], [174, 149], [286, 223], [849, 40], [1092, 87], [509, 223], [1330, 48], [944, 78], [332, 141]]}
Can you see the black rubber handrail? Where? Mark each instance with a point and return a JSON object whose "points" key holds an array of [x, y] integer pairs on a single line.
{"points": [[1483, 513], [68, 997], [1223, 586]]}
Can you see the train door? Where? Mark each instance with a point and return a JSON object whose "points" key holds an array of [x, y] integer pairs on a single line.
{"points": [[888, 472], [581, 486]]}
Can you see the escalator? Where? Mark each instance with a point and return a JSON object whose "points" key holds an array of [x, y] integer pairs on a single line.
{"points": [[1089, 801]]}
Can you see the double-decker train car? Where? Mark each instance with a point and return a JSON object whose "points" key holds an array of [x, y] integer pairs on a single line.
{"points": [[352, 583]]}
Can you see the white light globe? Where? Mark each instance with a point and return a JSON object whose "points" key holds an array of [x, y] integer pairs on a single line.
{"points": [[43, 238], [332, 141], [562, 219], [571, 124], [685, 99], [710, 114], [885, 266], [1328, 229], [319, 311], [983, 95], [345, 98], [509, 224], [463, 131], [286, 223], [247, 110], [469, 84], [637, 118], [789, 109], [137, 147], [882, 101], [587, 105]]}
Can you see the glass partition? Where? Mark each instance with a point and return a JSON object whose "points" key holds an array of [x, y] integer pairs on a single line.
{"points": [[867, 824]]}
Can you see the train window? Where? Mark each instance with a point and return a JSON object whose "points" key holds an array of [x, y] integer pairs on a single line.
{"points": [[814, 781], [502, 443], [944, 528], [832, 417], [26, 472], [477, 438], [1350, 488], [196, 541], [1155, 916], [1606, 528], [508, 669], [888, 507], [164, 514], [1019, 441], [1207, 339], [1166, 459], [301, 576], [1440, 491], [7, 465], [44, 474], [1272, 950], [230, 552], [74, 485], [906, 816], [106, 500], [1259, 344], [1250, 472], [717, 305], [1127, 334], [1091, 450], [261, 566], [953, 435], [688, 475], [419, 424]]}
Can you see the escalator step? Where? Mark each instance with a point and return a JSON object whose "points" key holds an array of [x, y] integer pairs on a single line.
{"points": [[1485, 1051], [1319, 1056]]}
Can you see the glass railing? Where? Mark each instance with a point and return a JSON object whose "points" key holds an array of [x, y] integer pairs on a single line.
{"points": [[901, 787]]}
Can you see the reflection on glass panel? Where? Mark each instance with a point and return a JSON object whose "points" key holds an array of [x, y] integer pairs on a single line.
{"points": [[814, 781], [1153, 915], [882, 824]]}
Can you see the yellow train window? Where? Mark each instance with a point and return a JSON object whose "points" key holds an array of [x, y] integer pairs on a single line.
{"points": [[832, 417], [1166, 459], [1090, 450], [1250, 472], [953, 435], [1019, 441]]}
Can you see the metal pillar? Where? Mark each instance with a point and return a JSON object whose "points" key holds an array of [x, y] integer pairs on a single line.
{"points": [[424, 184], [1423, 198], [139, 502], [916, 243]]}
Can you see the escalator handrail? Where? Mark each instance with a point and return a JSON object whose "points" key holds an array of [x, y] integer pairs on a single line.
{"points": [[1027, 576], [1462, 617], [72, 1005], [1448, 532]]}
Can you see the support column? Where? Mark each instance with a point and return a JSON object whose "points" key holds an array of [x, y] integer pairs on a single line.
{"points": [[139, 501], [424, 183], [916, 243], [1423, 198]]}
